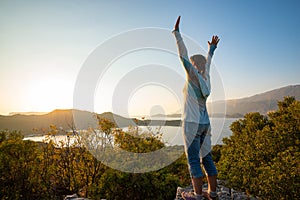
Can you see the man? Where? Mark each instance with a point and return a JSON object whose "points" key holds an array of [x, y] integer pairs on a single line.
{"points": [[196, 123]]}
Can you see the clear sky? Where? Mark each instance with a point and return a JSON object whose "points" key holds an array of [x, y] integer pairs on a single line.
{"points": [[43, 45]]}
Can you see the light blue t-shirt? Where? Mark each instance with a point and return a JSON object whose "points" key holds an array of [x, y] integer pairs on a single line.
{"points": [[197, 89]]}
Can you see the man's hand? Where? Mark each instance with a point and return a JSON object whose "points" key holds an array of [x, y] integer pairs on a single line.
{"points": [[176, 27], [214, 40]]}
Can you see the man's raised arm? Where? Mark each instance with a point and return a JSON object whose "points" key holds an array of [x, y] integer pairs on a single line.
{"points": [[211, 48], [182, 51]]}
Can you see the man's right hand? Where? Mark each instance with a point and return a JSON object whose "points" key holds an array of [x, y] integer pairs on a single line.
{"points": [[214, 40]]}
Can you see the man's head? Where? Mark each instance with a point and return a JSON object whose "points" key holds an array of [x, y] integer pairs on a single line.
{"points": [[198, 61]]}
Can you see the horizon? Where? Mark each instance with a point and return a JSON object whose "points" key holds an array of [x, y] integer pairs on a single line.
{"points": [[46, 44], [132, 116]]}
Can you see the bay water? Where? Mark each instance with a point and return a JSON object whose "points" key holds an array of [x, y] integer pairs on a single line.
{"points": [[172, 135]]}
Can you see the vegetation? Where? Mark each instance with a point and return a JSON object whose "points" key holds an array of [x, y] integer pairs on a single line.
{"points": [[262, 155], [51, 170]]}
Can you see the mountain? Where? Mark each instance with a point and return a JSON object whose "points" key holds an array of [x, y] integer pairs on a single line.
{"points": [[262, 103], [63, 119], [38, 124], [28, 123], [27, 113]]}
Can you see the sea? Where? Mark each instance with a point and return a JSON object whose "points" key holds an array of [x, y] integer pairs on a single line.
{"points": [[171, 135]]}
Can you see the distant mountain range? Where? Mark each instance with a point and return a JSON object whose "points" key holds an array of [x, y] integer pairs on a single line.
{"points": [[262, 103], [67, 119], [38, 124]]}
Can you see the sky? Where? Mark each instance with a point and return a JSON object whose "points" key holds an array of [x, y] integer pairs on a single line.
{"points": [[45, 45]]}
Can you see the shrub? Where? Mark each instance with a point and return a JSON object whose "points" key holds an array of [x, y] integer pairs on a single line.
{"points": [[262, 155]]}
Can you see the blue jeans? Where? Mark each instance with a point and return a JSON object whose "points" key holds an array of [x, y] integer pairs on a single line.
{"points": [[197, 142]]}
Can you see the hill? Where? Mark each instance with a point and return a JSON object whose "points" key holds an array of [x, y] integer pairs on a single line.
{"points": [[28, 122], [64, 119], [262, 103], [68, 119]]}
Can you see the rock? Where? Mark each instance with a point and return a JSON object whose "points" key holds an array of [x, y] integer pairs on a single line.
{"points": [[74, 197], [180, 190], [224, 193]]}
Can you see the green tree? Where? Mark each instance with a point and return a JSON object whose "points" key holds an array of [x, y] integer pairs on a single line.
{"points": [[216, 152], [19, 177], [262, 155], [160, 184], [68, 167], [53, 168], [137, 141]]}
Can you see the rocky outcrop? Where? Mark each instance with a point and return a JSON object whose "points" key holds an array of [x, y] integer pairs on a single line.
{"points": [[224, 193], [74, 197]]}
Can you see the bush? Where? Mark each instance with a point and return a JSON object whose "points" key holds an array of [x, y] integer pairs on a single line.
{"points": [[19, 177], [30, 170], [262, 155]]}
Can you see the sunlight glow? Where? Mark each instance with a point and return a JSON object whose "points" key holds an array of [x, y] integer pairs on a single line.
{"points": [[44, 95]]}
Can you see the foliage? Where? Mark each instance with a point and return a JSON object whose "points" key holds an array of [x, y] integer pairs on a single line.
{"points": [[19, 177], [151, 185], [52, 169], [159, 184], [134, 140], [216, 152], [262, 155]]}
